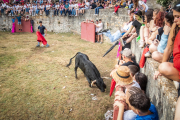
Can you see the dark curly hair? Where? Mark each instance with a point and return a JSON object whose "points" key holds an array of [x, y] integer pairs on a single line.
{"points": [[176, 30], [159, 19], [149, 15], [140, 102]]}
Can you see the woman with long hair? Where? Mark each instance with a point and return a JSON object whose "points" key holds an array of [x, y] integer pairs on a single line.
{"points": [[166, 68], [157, 48]]}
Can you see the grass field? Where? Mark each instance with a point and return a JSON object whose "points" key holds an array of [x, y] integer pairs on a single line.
{"points": [[35, 84]]}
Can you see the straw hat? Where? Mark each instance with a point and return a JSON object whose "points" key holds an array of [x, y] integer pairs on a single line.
{"points": [[122, 76]]}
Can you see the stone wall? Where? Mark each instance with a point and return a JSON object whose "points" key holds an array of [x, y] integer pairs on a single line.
{"points": [[161, 92]]}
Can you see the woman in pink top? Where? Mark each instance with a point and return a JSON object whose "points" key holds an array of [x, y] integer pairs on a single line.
{"points": [[62, 8]]}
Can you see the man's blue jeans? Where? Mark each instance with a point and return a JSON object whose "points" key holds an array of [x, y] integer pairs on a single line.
{"points": [[62, 11], [131, 6], [56, 11], [97, 10], [73, 12], [37, 11], [2, 11], [114, 37], [47, 12]]}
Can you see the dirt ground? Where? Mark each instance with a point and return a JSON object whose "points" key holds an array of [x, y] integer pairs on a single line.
{"points": [[35, 84]]}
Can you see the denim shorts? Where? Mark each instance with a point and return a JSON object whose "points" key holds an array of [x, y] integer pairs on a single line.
{"points": [[19, 23]]}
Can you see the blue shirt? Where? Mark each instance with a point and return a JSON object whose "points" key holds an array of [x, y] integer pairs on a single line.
{"points": [[19, 19], [153, 116], [13, 20], [163, 43], [41, 29]]}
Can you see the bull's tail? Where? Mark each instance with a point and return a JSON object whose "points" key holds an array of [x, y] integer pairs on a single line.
{"points": [[71, 60]]}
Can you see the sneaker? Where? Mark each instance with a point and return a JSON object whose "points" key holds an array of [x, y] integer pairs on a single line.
{"points": [[47, 45], [97, 42], [100, 42], [148, 54], [37, 45]]}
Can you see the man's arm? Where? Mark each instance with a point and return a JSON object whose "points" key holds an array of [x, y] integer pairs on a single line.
{"points": [[45, 32]]}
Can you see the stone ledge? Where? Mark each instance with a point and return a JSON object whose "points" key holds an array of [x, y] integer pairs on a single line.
{"points": [[162, 91]]}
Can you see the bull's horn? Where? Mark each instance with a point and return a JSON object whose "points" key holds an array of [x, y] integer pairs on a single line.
{"points": [[93, 82]]}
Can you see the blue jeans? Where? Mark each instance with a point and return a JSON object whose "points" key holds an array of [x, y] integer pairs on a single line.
{"points": [[56, 11], [41, 1], [131, 6], [163, 43], [70, 12], [62, 11], [47, 12], [12, 12], [2, 11], [97, 10], [37, 11], [27, 10], [114, 37], [73, 12]]}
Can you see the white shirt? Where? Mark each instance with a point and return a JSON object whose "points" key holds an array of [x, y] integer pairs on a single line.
{"points": [[42, 6], [88, 4], [140, 3], [76, 5], [47, 6], [17, 6], [97, 29], [129, 115], [100, 26], [4, 5], [135, 85], [57, 6], [24, 7], [126, 27]]}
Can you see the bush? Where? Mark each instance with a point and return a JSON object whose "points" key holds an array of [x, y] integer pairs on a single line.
{"points": [[164, 3]]}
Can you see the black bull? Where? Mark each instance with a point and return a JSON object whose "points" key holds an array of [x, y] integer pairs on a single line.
{"points": [[89, 69]]}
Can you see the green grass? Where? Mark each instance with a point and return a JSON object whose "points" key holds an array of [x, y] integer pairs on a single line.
{"points": [[32, 79]]}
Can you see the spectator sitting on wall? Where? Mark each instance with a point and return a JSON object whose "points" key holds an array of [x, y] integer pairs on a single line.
{"points": [[67, 8], [82, 8], [119, 33], [87, 4], [93, 5], [167, 68], [157, 47], [99, 6], [47, 9], [116, 7], [140, 5], [137, 24]]}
